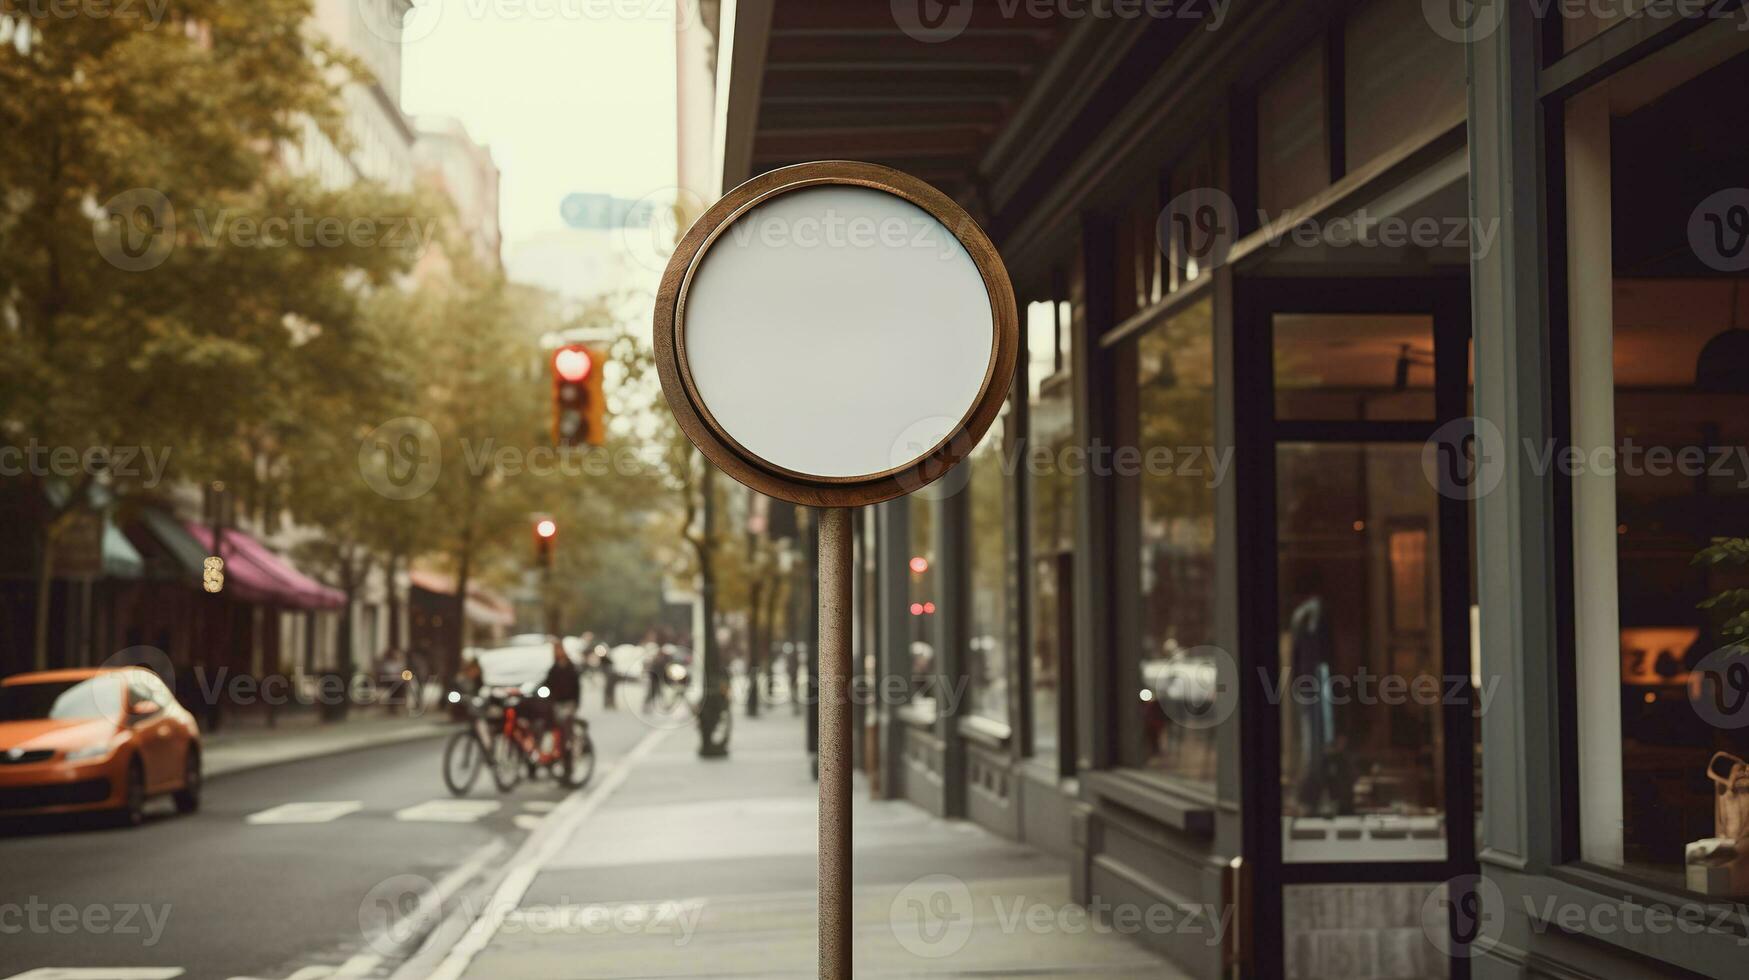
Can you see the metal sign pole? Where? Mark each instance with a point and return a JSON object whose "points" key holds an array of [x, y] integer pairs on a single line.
{"points": [[729, 300], [834, 709]]}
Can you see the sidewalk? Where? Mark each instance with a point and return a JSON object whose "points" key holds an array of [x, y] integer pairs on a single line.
{"points": [[682, 867], [301, 735]]}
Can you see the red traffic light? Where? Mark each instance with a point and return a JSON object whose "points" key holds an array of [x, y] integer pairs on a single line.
{"points": [[546, 528], [573, 364]]}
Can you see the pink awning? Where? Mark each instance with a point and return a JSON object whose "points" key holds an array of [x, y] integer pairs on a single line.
{"points": [[253, 573]]}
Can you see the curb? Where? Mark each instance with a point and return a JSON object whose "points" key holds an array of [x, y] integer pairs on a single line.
{"points": [[372, 741]]}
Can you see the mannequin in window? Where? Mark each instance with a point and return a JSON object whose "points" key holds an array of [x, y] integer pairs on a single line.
{"points": [[1325, 787]]}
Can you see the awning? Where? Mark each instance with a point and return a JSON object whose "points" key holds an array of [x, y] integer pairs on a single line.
{"points": [[120, 559], [253, 573], [484, 608], [178, 555]]}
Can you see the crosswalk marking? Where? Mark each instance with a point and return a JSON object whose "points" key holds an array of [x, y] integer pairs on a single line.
{"points": [[448, 811], [100, 973], [540, 806], [321, 812], [358, 966], [528, 821]]}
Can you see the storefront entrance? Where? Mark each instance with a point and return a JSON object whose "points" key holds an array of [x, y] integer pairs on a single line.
{"points": [[1358, 672]]}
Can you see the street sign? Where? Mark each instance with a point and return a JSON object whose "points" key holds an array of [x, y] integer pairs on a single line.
{"points": [[835, 334]]}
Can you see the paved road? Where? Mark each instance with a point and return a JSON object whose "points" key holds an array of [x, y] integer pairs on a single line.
{"points": [[285, 872]]}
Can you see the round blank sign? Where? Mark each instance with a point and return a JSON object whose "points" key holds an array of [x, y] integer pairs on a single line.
{"points": [[835, 334]]}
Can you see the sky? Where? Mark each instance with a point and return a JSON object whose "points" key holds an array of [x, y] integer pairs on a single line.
{"points": [[571, 95]]}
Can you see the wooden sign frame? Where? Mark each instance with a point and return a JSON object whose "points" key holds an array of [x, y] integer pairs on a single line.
{"points": [[769, 478]]}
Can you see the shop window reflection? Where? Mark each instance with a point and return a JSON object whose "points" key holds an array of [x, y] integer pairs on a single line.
{"points": [[1361, 669], [922, 610], [992, 520], [1172, 497], [1353, 367]]}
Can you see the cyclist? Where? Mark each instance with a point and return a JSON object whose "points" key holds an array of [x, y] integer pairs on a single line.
{"points": [[564, 689]]}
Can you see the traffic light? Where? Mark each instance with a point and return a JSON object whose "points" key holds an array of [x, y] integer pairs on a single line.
{"points": [[544, 532], [578, 406]]}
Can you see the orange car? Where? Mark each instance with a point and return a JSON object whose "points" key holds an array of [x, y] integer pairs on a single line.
{"points": [[95, 739]]}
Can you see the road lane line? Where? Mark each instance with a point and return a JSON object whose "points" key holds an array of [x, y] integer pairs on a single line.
{"points": [[322, 812], [448, 810], [100, 973], [530, 858]]}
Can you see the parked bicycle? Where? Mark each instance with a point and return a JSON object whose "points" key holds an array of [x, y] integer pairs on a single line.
{"points": [[512, 733]]}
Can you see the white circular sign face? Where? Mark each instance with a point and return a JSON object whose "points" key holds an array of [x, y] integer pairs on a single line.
{"points": [[838, 331]]}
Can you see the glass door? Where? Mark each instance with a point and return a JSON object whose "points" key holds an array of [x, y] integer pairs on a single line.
{"points": [[1359, 663]]}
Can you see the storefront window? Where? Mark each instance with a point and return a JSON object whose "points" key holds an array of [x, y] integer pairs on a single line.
{"points": [[1658, 328], [989, 633], [1051, 522], [1171, 494], [922, 611], [1361, 660], [1352, 367]]}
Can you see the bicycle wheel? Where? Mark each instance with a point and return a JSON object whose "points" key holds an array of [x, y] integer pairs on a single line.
{"points": [[578, 766], [463, 758], [507, 761]]}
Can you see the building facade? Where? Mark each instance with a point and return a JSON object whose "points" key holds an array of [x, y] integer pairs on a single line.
{"points": [[1356, 556]]}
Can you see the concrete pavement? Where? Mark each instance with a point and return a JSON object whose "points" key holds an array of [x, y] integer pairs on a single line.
{"points": [[682, 867]]}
